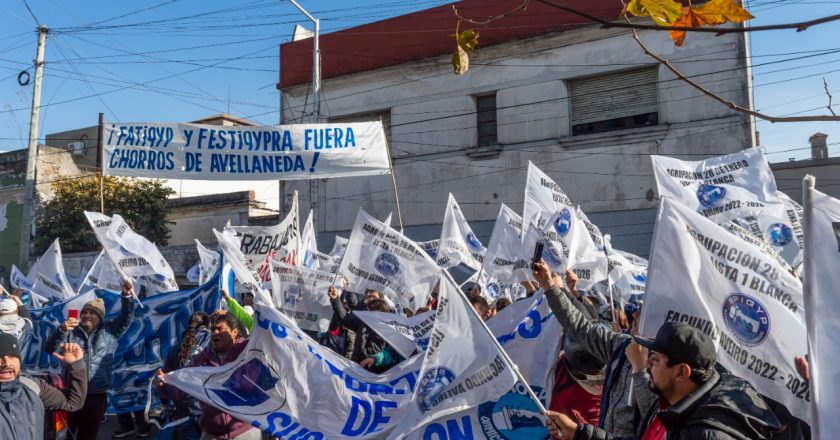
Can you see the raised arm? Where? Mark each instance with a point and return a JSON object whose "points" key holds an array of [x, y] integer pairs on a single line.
{"points": [[73, 396]]}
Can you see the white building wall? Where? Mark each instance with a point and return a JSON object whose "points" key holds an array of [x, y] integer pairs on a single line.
{"points": [[434, 123]]}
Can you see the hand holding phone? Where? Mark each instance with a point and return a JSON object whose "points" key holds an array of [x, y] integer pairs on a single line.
{"points": [[73, 314], [538, 251]]}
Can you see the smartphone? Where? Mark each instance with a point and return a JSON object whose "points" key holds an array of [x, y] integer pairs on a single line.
{"points": [[538, 251], [73, 313]]}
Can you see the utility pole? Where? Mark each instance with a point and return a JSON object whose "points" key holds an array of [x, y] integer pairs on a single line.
{"points": [[32, 156], [316, 65]]}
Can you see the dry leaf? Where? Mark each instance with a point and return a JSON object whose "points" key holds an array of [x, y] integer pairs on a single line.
{"points": [[689, 19], [466, 42], [716, 12], [662, 12]]}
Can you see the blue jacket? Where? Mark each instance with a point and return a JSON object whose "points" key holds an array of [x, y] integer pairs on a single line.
{"points": [[99, 346]]}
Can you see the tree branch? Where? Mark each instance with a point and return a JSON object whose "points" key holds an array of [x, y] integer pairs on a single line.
{"points": [[726, 102], [825, 84], [715, 30]]}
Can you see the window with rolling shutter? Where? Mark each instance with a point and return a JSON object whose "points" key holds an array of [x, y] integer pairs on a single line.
{"points": [[614, 101], [384, 115], [485, 107]]}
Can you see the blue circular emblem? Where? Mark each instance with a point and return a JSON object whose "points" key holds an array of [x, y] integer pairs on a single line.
{"points": [[710, 195], [431, 385], [493, 290], [307, 259], [514, 416], [563, 223], [779, 234], [473, 241], [746, 318], [640, 277], [387, 264], [160, 277], [423, 343]]}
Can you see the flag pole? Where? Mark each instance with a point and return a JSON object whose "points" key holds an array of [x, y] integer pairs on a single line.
{"points": [[393, 176], [808, 184], [502, 351]]}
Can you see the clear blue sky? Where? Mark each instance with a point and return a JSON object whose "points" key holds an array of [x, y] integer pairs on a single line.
{"points": [[166, 60]]}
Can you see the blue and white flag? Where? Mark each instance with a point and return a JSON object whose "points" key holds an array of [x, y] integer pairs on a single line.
{"points": [[208, 262], [309, 244], [504, 259], [723, 187], [48, 277], [235, 263], [822, 278], [749, 305], [380, 258], [301, 294], [458, 244], [101, 275]]}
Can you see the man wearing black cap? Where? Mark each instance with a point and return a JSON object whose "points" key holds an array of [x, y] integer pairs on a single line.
{"points": [[23, 399], [695, 401]]}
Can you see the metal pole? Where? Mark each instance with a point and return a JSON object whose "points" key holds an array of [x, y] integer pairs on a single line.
{"points": [[99, 155], [809, 275], [393, 177], [32, 155], [316, 64]]}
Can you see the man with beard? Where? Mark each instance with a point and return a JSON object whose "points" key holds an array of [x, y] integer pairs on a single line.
{"points": [[98, 339], [23, 399], [226, 344], [695, 400]]}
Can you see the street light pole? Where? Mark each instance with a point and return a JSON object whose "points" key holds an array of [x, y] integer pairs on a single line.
{"points": [[316, 65], [32, 154]]}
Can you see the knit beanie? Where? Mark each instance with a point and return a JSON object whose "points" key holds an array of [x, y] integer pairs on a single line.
{"points": [[9, 345], [96, 306]]}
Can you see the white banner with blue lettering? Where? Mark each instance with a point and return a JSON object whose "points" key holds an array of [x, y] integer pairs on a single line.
{"points": [[406, 334], [301, 294], [822, 278], [723, 187], [380, 258], [504, 258], [543, 198], [47, 275], [781, 235], [156, 328], [458, 244], [731, 290], [213, 152], [294, 386]]}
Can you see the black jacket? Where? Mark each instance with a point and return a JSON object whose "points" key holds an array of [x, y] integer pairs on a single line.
{"points": [[367, 343]]}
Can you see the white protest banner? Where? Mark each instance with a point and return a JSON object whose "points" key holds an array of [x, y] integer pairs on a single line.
{"points": [[531, 335], [208, 262], [289, 386], [212, 152], [261, 244], [783, 235], [504, 258], [47, 275], [326, 262], [627, 276], [568, 245], [46, 321], [731, 290], [405, 334], [822, 278], [309, 244], [245, 273], [594, 231], [462, 367], [380, 258], [458, 244], [747, 233], [543, 198], [338, 246], [132, 254], [723, 187], [101, 275], [430, 248], [19, 281], [301, 294]]}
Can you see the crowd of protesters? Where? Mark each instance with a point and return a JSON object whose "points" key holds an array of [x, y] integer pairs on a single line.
{"points": [[609, 383]]}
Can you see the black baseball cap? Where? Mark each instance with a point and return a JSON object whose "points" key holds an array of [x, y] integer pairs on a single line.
{"points": [[683, 343], [9, 345]]}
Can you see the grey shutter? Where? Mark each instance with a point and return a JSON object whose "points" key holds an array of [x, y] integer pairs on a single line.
{"points": [[385, 115], [613, 95]]}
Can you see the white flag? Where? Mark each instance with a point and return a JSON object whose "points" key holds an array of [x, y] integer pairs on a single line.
{"points": [[101, 275], [430, 248], [594, 231], [132, 254], [301, 294], [309, 244], [504, 259], [463, 366], [19, 281], [380, 258], [732, 291], [208, 262], [47, 275], [458, 243], [543, 198], [822, 298], [339, 246], [721, 188], [405, 334], [782, 235], [568, 245], [245, 274], [326, 262], [261, 244]]}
